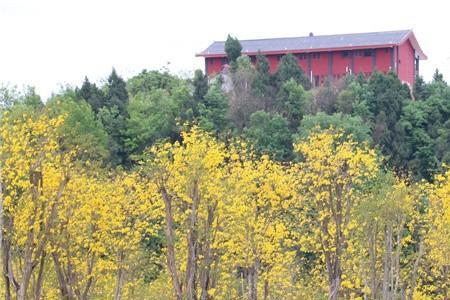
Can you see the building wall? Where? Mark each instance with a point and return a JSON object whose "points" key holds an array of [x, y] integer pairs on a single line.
{"points": [[341, 63], [273, 62], [398, 59], [319, 67], [362, 62], [383, 60], [406, 63], [213, 65]]}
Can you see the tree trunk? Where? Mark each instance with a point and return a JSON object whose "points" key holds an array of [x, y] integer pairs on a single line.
{"points": [[169, 234], [64, 288], [373, 262], [253, 281], [90, 282], [40, 279], [335, 281], [207, 261], [266, 289], [415, 270], [120, 278], [387, 264], [5, 248], [192, 241]]}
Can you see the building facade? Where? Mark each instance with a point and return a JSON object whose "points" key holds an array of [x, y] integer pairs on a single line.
{"points": [[330, 57]]}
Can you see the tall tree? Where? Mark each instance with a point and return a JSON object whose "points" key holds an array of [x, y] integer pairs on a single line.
{"points": [[200, 83], [117, 94], [263, 84], [233, 49], [91, 94], [288, 68], [270, 135], [113, 116], [332, 169], [291, 103]]}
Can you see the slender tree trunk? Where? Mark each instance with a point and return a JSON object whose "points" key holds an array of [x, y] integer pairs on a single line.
{"points": [[192, 241], [335, 280], [207, 252], [169, 233], [40, 278], [120, 277], [4, 244], [90, 282], [266, 289], [253, 281], [373, 261], [415, 270], [387, 280], [64, 288]]}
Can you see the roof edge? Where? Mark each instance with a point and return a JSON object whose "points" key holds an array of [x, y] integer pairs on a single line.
{"points": [[206, 55]]}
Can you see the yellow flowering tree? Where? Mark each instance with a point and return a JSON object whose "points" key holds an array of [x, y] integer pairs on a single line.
{"points": [[330, 178], [255, 236], [189, 179], [438, 238], [34, 175], [100, 228]]}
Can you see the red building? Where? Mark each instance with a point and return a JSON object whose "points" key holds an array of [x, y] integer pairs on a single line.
{"points": [[332, 56]]}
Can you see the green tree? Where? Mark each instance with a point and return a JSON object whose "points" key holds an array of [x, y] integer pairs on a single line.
{"points": [[117, 94], [213, 110], [81, 129], [115, 125], [200, 83], [419, 88], [91, 94], [385, 104], [263, 84], [291, 103], [270, 135], [438, 77], [349, 125], [233, 49], [147, 81], [152, 116], [288, 68]]}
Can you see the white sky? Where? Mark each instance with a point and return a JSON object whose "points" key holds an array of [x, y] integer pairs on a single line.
{"points": [[49, 43]]}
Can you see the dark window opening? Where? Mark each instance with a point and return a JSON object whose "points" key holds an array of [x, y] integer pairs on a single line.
{"points": [[367, 53], [344, 53], [224, 60], [211, 61]]}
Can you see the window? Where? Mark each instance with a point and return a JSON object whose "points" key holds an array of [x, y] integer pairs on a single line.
{"points": [[224, 60], [344, 53], [316, 55], [253, 59], [302, 56], [367, 53], [211, 61]]}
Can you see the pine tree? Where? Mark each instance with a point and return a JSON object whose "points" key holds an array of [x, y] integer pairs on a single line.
{"points": [[289, 68], [200, 83], [117, 93], [233, 49], [91, 94]]}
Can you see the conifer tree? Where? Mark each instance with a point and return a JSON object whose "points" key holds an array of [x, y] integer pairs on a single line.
{"points": [[233, 49], [289, 68]]}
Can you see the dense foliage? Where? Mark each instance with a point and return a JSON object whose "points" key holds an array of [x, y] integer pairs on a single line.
{"points": [[244, 186]]}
